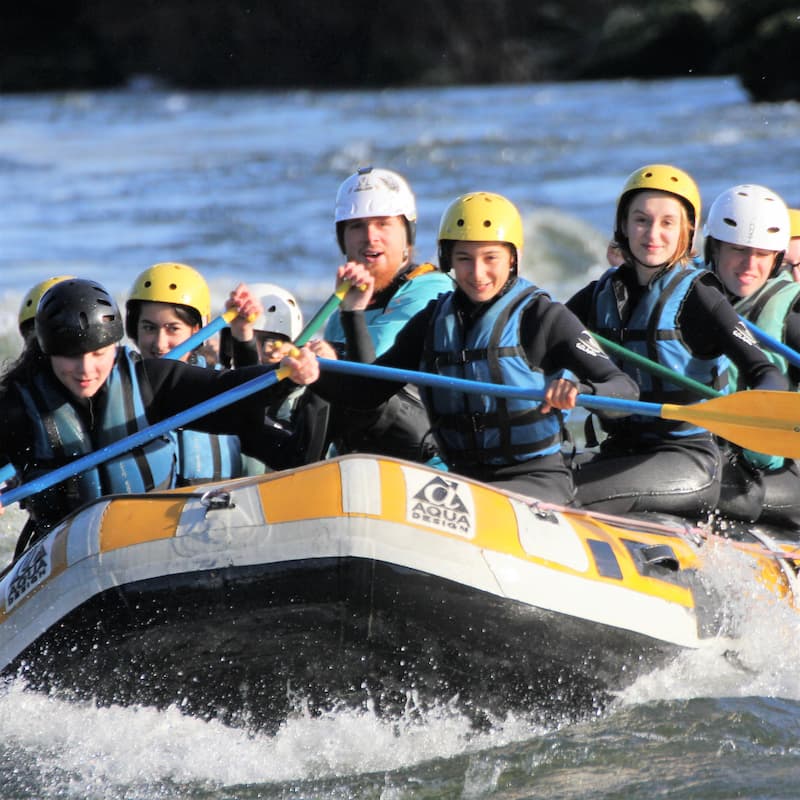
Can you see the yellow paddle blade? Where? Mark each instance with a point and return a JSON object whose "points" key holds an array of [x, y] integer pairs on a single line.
{"points": [[768, 422]]}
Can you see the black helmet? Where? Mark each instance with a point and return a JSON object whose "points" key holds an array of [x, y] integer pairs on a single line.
{"points": [[75, 317]]}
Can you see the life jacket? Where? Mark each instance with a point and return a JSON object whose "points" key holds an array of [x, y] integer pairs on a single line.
{"points": [[653, 331], [415, 289], [204, 457], [482, 430], [60, 435], [768, 308]]}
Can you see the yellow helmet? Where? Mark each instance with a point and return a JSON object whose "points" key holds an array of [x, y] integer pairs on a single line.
{"points": [[170, 282], [480, 217], [27, 310], [662, 178], [794, 222]]}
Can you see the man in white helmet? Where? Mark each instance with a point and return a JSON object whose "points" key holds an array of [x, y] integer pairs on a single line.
{"points": [[746, 236], [376, 219]]}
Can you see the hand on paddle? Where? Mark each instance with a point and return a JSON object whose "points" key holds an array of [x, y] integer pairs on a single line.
{"points": [[361, 281], [302, 366], [249, 308], [561, 393]]}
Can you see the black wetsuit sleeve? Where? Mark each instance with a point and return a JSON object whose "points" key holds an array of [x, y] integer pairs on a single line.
{"points": [[711, 328], [557, 340], [245, 354], [175, 386]]}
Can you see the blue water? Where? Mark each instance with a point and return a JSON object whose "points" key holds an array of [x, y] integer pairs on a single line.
{"points": [[241, 185]]}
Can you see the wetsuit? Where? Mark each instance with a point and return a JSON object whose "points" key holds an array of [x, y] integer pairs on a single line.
{"points": [[400, 426], [165, 387], [652, 468], [548, 337], [756, 487]]}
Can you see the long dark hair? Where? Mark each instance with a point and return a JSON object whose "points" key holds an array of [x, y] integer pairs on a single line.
{"points": [[30, 362]]}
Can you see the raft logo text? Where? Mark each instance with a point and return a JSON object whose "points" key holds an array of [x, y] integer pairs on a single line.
{"points": [[440, 503]]}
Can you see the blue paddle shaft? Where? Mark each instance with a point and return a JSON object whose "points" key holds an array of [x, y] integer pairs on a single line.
{"points": [[478, 387], [196, 339], [139, 438], [792, 356]]}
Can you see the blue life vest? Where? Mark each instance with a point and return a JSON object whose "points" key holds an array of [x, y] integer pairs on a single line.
{"points": [[653, 331], [60, 436], [482, 430], [420, 285], [204, 457]]}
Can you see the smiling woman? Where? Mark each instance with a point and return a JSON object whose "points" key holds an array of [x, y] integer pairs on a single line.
{"points": [[661, 306], [496, 326]]}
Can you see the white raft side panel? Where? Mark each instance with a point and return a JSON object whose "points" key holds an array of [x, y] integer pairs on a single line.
{"points": [[592, 599], [46, 601], [223, 537], [551, 538], [361, 489], [83, 539]]}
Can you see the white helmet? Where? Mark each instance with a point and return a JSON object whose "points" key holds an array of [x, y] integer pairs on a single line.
{"points": [[375, 193], [282, 313], [751, 216]]}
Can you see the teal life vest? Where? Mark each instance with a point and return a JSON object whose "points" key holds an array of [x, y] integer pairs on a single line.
{"points": [[653, 331], [481, 430], [204, 457], [768, 308], [61, 434], [418, 287]]}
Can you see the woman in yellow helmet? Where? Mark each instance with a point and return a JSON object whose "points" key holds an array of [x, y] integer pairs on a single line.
{"points": [[495, 326], [27, 309], [167, 304], [658, 304]]}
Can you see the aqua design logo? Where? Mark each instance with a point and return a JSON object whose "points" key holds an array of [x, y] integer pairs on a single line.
{"points": [[440, 502], [31, 570]]}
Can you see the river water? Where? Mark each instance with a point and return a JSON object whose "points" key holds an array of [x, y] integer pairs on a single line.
{"points": [[241, 185]]}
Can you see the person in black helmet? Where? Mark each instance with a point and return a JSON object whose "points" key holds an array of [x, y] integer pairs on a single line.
{"points": [[76, 389]]}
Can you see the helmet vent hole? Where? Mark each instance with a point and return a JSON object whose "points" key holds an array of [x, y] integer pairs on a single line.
{"points": [[148, 284], [731, 223], [774, 229], [173, 286], [272, 309], [83, 320], [487, 223]]}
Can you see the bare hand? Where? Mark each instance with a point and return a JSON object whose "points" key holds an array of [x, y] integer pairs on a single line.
{"points": [[323, 349], [303, 366], [561, 393], [249, 308], [362, 283]]}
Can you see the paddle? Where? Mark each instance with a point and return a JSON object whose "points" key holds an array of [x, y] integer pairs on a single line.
{"points": [[197, 338], [228, 316], [139, 438], [756, 420], [319, 319], [654, 368], [143, 436], [777, 346]]}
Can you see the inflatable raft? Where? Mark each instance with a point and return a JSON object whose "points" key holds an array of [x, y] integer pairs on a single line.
{"points": [[357, 580]]}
